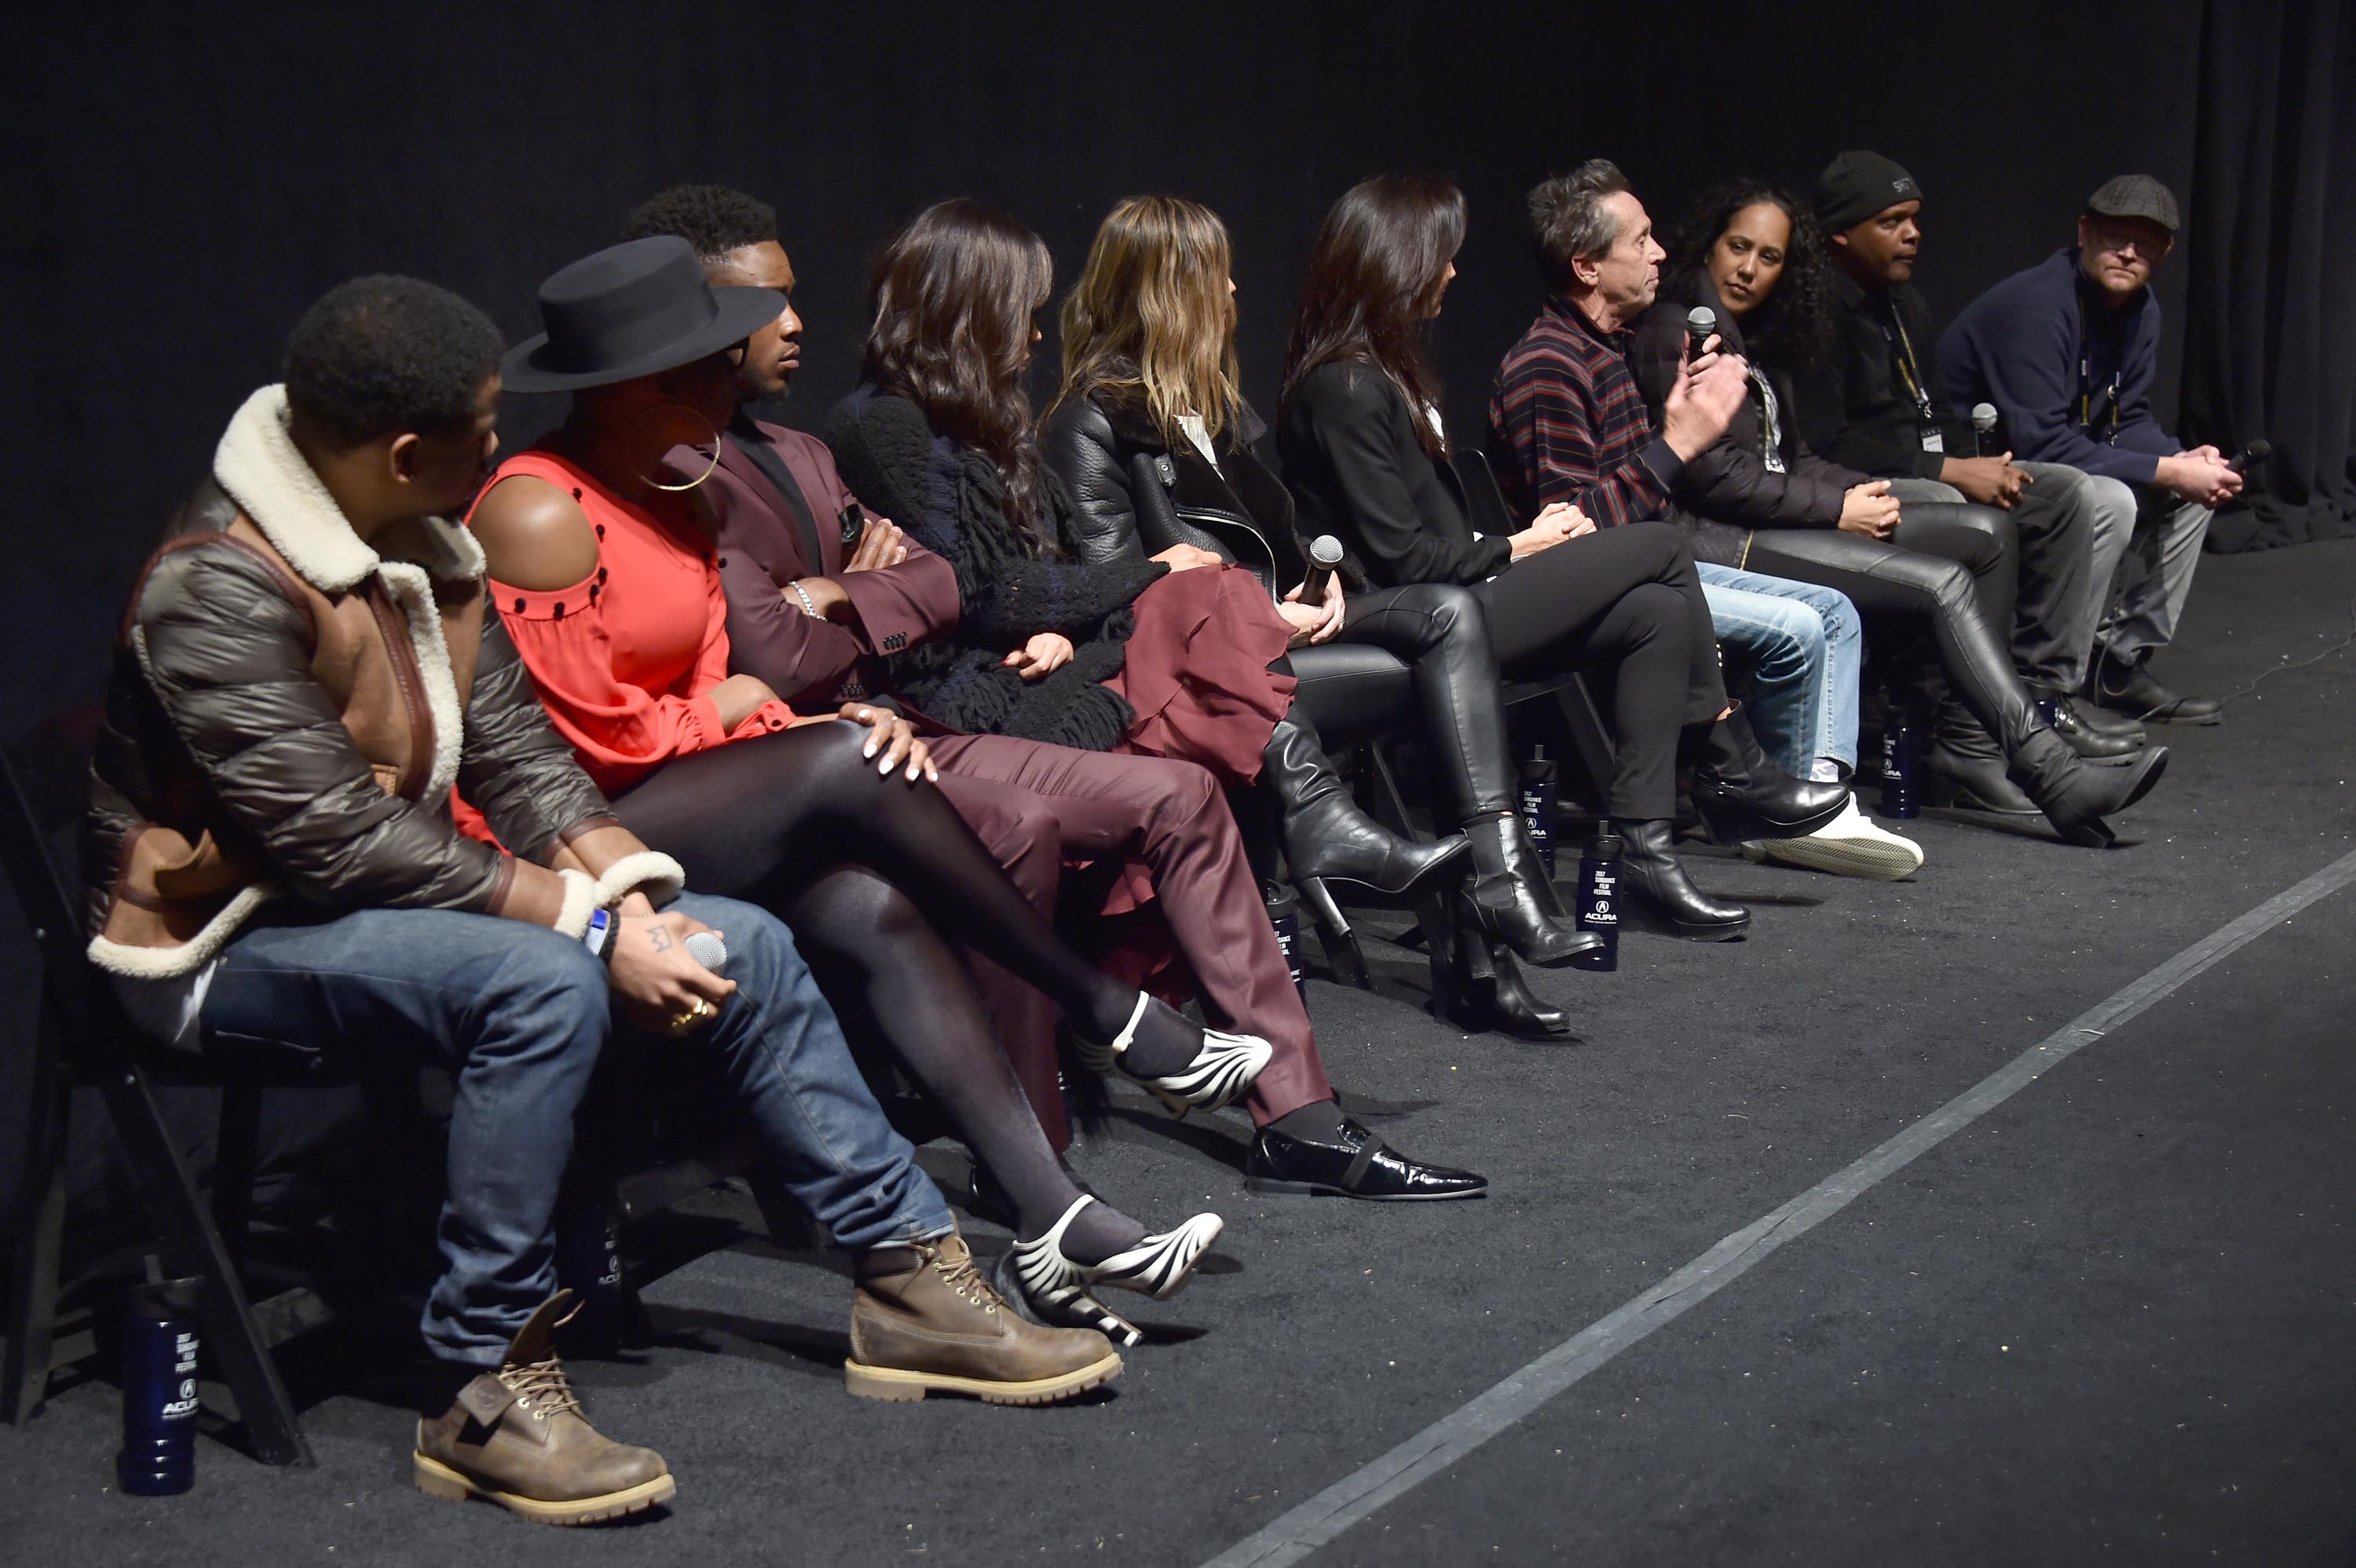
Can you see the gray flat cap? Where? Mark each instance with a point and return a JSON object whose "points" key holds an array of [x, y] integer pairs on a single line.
{"points": [[2136, 195]]}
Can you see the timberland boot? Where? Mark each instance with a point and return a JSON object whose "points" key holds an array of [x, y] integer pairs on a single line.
{"points": [[924, 1321], [517, 1438]]}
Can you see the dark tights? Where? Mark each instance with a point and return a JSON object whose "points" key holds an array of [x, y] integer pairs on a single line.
{"points": [[781, 820]]}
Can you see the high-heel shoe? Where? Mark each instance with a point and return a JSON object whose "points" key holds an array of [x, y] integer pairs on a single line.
{"points": [[1325, 834], [2076, 797], [1222, 1070], [1742, 795], [1512, 898], [1476, 986], [1055, 1290], [1651, 871]]}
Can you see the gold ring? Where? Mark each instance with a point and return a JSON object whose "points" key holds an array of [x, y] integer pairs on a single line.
{"points": [[682, 1022]]}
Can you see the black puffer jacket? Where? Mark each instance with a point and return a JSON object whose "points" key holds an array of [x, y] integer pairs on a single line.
{"points": [[1135, 494], [951, 501], [1729, 487]]}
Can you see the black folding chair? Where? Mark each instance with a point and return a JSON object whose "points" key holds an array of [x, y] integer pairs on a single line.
{"points": [[83, 1040]]}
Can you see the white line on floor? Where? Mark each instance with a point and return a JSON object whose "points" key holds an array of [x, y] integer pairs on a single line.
{"points": [[1302, 1529]]}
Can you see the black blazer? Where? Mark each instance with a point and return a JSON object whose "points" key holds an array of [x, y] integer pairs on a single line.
{"points": [[1347, 441]]}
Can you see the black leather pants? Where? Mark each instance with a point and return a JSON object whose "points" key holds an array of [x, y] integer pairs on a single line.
{"points": [[1438, 630], [1941, 592]]}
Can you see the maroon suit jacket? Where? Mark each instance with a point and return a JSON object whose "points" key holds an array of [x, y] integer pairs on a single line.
{"points": [[808, 662]]}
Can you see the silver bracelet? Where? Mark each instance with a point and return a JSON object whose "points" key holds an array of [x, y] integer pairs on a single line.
{"points": [[808, 608]]}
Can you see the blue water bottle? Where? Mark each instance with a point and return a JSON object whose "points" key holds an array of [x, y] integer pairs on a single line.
{"points": [[1284, 915], [1901, 768], [589, 1264], [1599, 901], [159, 1390], [1538, 788]]}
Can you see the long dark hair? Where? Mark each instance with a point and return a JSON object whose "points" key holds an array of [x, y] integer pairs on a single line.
{"points": [[1379, 258], [952, 296], [1792, 327]]}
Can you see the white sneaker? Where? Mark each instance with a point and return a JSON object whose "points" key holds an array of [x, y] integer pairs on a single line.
{"points": [[1850, 845]]}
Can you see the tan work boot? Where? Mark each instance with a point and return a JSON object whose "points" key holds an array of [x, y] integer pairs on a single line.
{"points": [[517, 1438], [925, 1319]]}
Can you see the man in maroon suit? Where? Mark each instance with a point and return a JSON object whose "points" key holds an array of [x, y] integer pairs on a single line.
{"points": [[820, 593]]}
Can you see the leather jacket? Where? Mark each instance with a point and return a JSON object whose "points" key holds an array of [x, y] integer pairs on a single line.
{"points": [[289, 709], [1134, 495], [1730, 488]]}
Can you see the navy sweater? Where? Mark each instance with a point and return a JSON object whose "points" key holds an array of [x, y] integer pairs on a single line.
{"points": [[2019, 347]]}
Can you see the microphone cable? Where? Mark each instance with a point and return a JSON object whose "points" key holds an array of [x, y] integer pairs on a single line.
{"points": [[2339, 647]]}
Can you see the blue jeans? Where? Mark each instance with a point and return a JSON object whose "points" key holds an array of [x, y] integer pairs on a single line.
{"points": [[1806, 648], [519, 1014]]}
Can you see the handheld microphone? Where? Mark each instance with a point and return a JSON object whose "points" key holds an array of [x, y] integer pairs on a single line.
{"points": [[1324, 555], [1983, 419], [2252, 456], [706, 948], [1701, 322]]}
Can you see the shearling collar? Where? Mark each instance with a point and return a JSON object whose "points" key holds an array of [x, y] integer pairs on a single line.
{"points": [[267, 475]]}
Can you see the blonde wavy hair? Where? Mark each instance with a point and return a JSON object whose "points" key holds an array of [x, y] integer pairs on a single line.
{"points": [[1151, 319]]}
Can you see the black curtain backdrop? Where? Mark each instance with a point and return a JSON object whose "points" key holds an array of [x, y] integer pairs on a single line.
{"points": [[184, 180], [2271, 295]]}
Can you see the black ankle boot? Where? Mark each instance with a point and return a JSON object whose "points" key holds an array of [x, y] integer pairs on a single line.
{"points": [[1653, 873], [1742, 795], [1967, 768], [1513, 900], [2075, 797], [1476, 987], [1325, 834]]}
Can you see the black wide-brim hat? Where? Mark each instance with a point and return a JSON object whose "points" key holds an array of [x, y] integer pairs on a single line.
{"points": [[632, 310]]}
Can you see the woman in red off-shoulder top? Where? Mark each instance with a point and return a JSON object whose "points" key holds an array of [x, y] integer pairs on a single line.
{"points": [[602, 561]]}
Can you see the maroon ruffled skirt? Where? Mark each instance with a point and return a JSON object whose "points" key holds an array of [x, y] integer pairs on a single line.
{"points": [[1197, 674]]}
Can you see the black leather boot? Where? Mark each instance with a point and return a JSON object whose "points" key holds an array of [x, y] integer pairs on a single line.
{"points": [[1965, 768], [1476, 987], [1512, 898], [1742, 795], [1653, 873], [2074, 797], [1325, 834]]}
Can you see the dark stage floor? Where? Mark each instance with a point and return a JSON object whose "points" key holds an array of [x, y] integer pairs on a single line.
{"points": [[2109, 1321]]}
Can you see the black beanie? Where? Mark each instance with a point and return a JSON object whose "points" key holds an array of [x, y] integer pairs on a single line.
{"points": [[1855, 186]]}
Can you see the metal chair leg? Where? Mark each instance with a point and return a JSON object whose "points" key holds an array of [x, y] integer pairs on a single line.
{"points": [[1342, 954], [193, 1246], [41, 1234]]}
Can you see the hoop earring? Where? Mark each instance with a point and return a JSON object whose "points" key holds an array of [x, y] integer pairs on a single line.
{"points": [[710, 468]]}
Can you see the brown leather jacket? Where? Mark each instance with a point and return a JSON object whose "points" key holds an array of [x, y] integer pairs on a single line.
{"points": [[289, 709]]}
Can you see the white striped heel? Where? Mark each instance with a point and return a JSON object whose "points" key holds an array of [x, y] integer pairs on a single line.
{"points": [[1222, 1070], [1055, 1290]]}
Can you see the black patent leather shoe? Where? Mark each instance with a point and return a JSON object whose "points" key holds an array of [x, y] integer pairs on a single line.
{"points": [[1361, 1166]]}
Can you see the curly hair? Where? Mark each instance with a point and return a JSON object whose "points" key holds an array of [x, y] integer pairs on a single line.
{"points": [[1792, 327], [382, 355], [713, 218]]}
